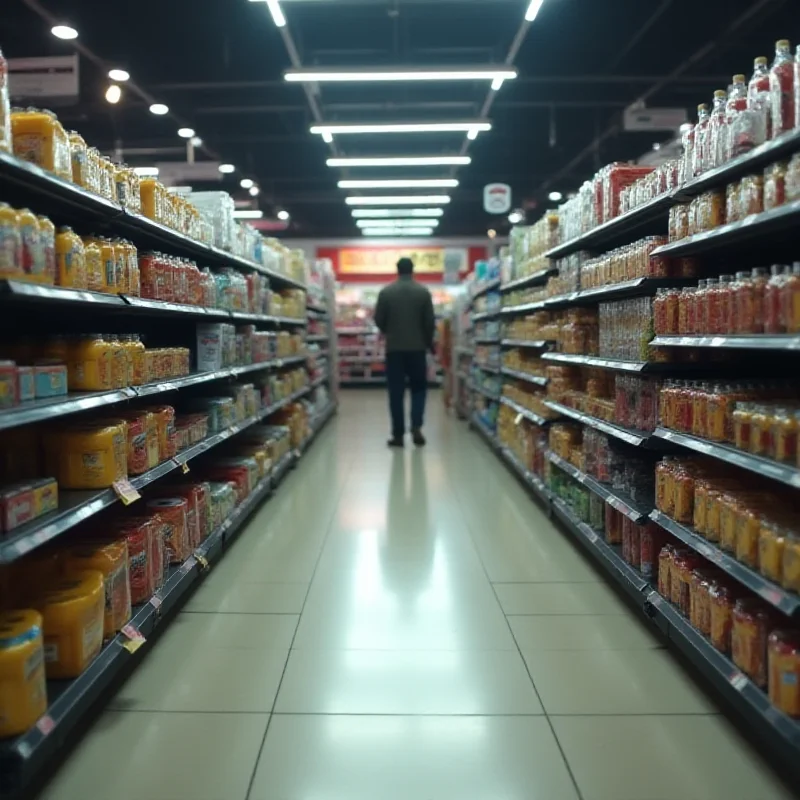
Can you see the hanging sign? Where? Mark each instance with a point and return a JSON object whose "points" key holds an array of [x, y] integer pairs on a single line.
{"points": [[383, 260], [497, 198], [52, 77]]}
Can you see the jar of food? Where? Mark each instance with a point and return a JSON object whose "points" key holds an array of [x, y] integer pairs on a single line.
{"points": [[121, 267], [94, 264], [665, 561], [722, 598], [784, 435], [664, 491], [683, 563], [108, 261], [748, 536], [137, 422], [771, 545], [36, 137], [747, 525], [775, 185], [701, 487], [699, 599], [136, 350], [173, 511], [684, 496], [742, 424], [791, 561], [751, 198], [89, 365], [90, 456], [121, 367], [783, 659], [47, 243], [713, 513], [752, 620], [761, 430]]}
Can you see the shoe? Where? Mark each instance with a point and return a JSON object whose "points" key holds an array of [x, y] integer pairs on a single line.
{"points": [[419, 439], [396, 441]]}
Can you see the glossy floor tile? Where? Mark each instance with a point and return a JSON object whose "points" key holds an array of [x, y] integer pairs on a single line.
{"points": [[411, 758], [408, 625]]}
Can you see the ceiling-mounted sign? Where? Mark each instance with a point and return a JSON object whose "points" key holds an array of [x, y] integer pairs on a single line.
{"points": [[637, 118], [383, 260], [497, 198], [173, 173], [50, 77]]}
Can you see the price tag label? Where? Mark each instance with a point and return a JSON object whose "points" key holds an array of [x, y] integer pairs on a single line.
{"points": [[203, 562], [518, 419], [156, 601], [126, 491], [738, 680], [46, 724], [134, 638], [185, 468]]}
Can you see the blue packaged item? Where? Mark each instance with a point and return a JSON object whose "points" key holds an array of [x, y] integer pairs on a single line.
{"points": [[50, 380]]}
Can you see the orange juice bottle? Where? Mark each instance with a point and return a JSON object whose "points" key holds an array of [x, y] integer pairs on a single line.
{"points": [[10, 243], [47, 241], [108, 259], [94, 264], [35, 137], [135, 348], [80, 159], [89, 368], [121, 363], [71, 259], [121, 259], [32, 253]]}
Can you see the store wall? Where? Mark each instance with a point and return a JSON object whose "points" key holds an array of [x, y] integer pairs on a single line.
{"points": [[437, 260]]}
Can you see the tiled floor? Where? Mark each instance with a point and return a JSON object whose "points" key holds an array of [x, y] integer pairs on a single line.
{"points": [[408, 626]]}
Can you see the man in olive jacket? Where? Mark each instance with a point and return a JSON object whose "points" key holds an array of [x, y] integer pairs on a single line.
{"points": [[404, 315]]}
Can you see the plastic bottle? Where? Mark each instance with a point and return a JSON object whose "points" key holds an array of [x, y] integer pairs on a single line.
{"points": [[94, 264], [10, 243], [781, 87], [700, 132], [715, 127], [736, 105], [71, 260], [687, 145], [47, 241], [773, 293], [32, 254], [758, 100], [5, 107], [796, 87], [791, 300], [704, 306]]}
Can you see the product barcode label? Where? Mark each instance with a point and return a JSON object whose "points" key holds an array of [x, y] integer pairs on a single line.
{"points": [[738, 680], [126, 491]]}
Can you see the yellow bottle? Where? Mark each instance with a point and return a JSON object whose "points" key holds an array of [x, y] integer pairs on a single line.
{"points": [[47, 241], [91, 456], [10, 243], [108, 259], [133, 344], [121, 260], [23, 692], [71, 259], [80, 159], [32, 253], [94, 264], [35, 135], [73, 614], [148, 188], [121, 363], [89, 366]]}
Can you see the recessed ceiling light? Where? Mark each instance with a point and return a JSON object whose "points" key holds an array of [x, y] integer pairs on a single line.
{"points": [[554, 197], [515, 217], [533, 10], [159, 109], [397, 223], [433, 183], [197, 141], [226, 169], [64, 32], [119, 75], [390, 74], [397, 231], [254, 190], [247, 183], [401, 200], [248, 214], [401, 161], [113, 94], [403, 127], [373, 213], [283, 215], [186, 133]]}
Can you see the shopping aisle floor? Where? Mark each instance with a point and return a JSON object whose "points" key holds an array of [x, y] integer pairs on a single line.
{"points": [[408, 626]]}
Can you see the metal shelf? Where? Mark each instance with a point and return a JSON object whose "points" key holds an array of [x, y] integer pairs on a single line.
{"points": [[650, 218], [491, 340], [532, 343], [524, 412], [523, 308], [637, 287], [317, 337], [528, 280], [782, 599], [316, 309], [356, 331], [743, 342], [484, 288], [465, 351], [616, 499], [26, 757], [628, 435], [62, 200], [486, 367], [785, 473], [754, 229], [525, 376], [605, 363], [495, 396], [486, 314], [75, 507]]}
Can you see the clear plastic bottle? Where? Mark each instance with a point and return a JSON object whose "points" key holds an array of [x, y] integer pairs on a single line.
{"points": [[715, 125], [796, 88], [736, 105], [5, 108], [758, 100], [700, 132], [773, 294], [687, 144], [781, 86]]}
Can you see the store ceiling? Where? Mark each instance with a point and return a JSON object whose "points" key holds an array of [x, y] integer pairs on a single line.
{"points": [[218, 65]]}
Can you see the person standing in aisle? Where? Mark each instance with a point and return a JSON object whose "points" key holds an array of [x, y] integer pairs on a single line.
{"points": [[404, 315]]}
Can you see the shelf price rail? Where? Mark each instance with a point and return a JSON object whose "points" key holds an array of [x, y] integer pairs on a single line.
{"points": [[777, 733], [23, 758]]}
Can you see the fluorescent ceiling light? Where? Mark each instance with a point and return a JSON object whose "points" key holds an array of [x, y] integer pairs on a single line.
{"points": [[391, 74], [186, 133], [473, 134], [403, 127], [432, 183], [402, 161], [159, 109], [64, 32], [146, 172], [248, 214], [226, 169], [555, 196], [402, 200], [533, 10], [119, 75], [373, 213], [113, 94], [197, 141], [497, 84], [397, 231], [397, 223], [277, 13], [254, 190], [327, 137], [283, 215], [247, 183]]}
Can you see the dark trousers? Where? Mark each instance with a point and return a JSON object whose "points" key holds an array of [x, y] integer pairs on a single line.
{"points": [[414, 366]]}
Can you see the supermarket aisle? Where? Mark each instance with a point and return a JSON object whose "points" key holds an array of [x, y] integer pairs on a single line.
{"points": [[403, 626]]}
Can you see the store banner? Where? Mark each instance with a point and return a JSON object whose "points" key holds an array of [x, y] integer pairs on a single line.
{"points": [[383, 260]]}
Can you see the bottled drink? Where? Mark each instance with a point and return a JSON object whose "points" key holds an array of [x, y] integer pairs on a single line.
{"points": [[758, 100], [737, 103], [700, 131], [715, 123], [781, 87]]}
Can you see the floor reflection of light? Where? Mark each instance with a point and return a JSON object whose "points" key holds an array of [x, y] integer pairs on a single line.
{"points": [[442, 731], [417, 660]]}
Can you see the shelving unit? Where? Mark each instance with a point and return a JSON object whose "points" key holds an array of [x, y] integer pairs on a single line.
{"points": [[627, 435], [538, 380], [524, 412]]}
